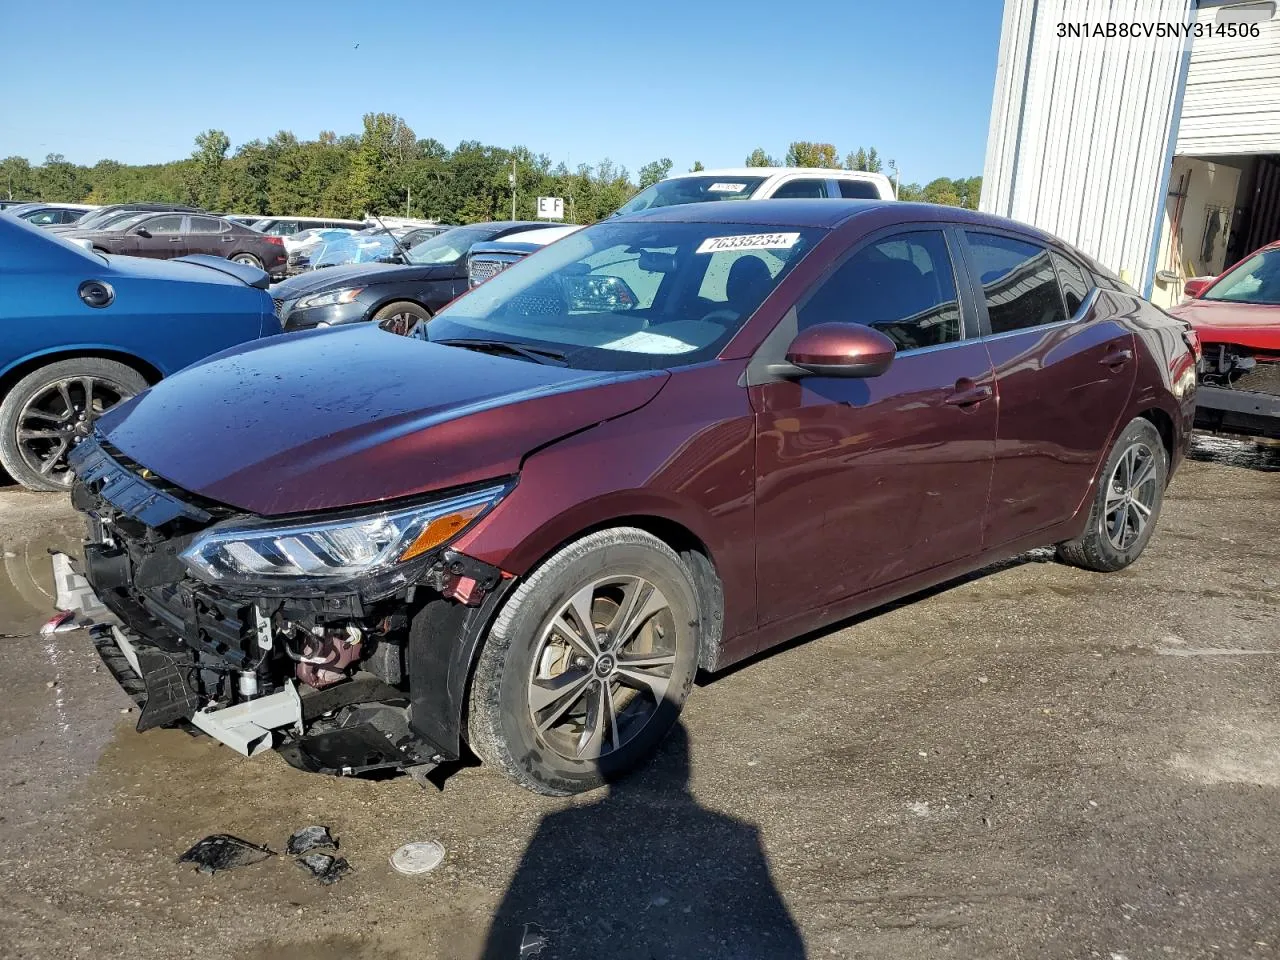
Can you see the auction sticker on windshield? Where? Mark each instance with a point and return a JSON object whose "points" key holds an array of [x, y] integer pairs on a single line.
{"points": [[750, 241], [726, 188]]}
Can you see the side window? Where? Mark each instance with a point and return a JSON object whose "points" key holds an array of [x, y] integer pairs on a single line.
{"points": [[159, 225], [903, 286], [1017, 281], [1075, 286], [798, 189], [859, 190], [205, 225]]}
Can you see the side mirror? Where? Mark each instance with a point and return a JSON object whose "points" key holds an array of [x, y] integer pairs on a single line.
{"points": [[1196, 286], [840, 350], [142, 232]]}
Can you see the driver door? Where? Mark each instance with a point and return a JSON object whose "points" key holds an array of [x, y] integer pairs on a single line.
{"points": [[861, 482], [166, 239]]}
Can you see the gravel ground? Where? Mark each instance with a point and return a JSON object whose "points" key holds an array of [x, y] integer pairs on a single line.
{"points": [[1036, 762]]}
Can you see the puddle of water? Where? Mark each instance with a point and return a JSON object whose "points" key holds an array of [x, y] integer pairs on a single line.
{"points": [[1208, 448], [26, 576]]}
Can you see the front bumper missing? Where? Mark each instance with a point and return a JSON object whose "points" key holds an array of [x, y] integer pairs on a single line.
{"points": [[356, 728]]}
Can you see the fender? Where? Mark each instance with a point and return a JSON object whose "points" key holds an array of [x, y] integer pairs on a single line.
{"points": [[66, 350]]}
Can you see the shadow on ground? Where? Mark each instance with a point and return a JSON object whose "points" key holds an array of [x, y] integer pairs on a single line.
{"points": [[645, 871]]}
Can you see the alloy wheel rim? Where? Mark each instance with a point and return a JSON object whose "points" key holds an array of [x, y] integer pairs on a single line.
{"points": [[59, 416], [1131, 496], [602, 667]]}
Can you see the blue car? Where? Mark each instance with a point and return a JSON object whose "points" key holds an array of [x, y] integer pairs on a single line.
{"points": [[81, 332]]}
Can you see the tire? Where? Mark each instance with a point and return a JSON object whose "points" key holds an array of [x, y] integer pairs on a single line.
{"points": [[25, 407], [561, 760], [248, 259], [1114, 540], [401, 316]]}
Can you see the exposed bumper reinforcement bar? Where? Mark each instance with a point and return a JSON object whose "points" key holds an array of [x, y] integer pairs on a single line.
{"points": [[248, 728]]}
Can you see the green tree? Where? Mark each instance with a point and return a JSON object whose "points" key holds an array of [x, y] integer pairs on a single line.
{"points": [[697, 166], [866, 160], [759, 158], [59, 180], [805, 153], [651, 173], [209, 156], [16, 178]]}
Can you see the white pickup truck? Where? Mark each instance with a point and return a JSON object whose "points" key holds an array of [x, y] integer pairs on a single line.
{"points": [[761, 183], [737, 183]]}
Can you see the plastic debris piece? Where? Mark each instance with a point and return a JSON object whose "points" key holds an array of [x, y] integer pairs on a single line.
{"points": [[416, 858], [221, 851], [532, 940], [310, 838], [59, 623], [324, 868]]}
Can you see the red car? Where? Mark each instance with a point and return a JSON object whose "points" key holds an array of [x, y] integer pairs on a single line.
{"points": [[1237, 318], [662, 444]]}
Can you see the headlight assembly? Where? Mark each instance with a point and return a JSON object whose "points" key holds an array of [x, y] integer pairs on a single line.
{"points": [[331, 299], [334, 550]]}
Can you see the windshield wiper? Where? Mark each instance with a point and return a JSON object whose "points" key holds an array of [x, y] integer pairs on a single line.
{"points": [[525, 350]]}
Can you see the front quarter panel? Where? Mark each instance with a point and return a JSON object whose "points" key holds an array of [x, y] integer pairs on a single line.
{"points": [[685, 458]]}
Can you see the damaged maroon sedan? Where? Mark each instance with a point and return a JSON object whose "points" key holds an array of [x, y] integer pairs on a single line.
{"points": [[664, 444]]}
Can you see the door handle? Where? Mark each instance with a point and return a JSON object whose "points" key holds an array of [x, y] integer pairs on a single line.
{"points": [[1116, 357], [175, 239], [228, 239], [967, 396]]}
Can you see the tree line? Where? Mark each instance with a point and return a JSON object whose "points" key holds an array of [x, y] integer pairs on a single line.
{"points": [[386, 169]]}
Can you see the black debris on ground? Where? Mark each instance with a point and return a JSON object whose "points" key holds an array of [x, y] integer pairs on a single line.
{"points": [[310, 838], [221, 851], [324, 868]]}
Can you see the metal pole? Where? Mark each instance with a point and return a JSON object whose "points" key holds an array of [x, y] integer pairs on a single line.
{"points": [[513, 188]]}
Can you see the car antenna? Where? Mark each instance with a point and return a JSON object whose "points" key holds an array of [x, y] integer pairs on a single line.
{"points": [[404, 254]]}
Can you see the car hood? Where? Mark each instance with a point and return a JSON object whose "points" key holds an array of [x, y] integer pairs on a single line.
{"points": [[353, 274], [337, 418], [1253, 325]]}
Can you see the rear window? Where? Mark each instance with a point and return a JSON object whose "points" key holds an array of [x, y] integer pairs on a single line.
{"points": [[859, 190], [670, 193]]}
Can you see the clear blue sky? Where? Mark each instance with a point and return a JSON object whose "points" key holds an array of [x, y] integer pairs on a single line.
{"points": [[579, 81]]}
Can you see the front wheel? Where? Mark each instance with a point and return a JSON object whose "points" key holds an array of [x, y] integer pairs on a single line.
{"points": [[52, 409], [587, 665], [401, 316], [1127, 503]]}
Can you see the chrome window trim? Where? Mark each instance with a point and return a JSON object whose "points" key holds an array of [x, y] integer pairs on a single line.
{"points": [[1085, 306]]}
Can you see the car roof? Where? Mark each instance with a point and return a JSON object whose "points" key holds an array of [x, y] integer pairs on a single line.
{"points": [[774, 171], [826, 214]]}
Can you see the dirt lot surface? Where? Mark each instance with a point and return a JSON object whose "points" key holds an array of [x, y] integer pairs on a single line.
{"points": [[1038, 762]]}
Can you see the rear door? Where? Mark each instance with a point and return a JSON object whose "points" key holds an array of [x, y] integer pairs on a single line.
{"points": [[861, 482], [1064, 369], [208, 235]]}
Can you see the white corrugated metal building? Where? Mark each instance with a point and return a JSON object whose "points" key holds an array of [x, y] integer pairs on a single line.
{"points": [[1160, 156]]}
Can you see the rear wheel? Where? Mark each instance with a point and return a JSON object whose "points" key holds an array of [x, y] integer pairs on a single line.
{"points": [[587, 665], [52, 409], [401, 316], [248, 259], [1127, 503]]}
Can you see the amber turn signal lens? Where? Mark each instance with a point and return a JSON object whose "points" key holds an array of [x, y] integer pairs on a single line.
{"points": [[439, 531]]}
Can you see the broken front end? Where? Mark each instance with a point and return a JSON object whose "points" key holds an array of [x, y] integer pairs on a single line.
{"points": [[343, 639], [1239, 392]]}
